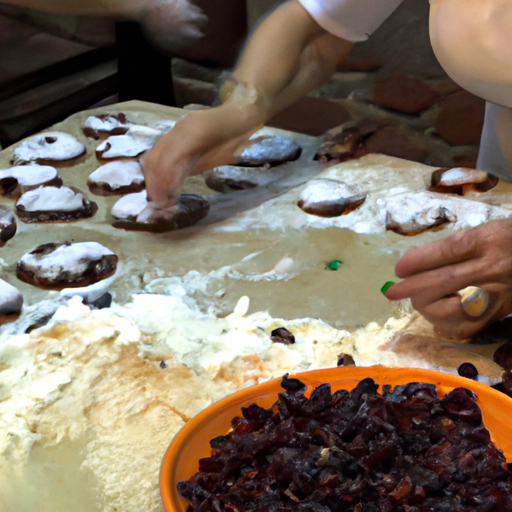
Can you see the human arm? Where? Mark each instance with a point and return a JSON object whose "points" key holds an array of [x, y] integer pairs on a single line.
{"points": [[434, 273], [288, 56]]}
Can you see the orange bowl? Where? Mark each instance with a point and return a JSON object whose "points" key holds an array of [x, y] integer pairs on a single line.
{"points": [[192, 442]]}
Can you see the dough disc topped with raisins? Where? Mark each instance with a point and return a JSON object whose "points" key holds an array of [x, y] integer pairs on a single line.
{"points": [[54, 204], [228, 178], [134, 212], [48, 148], [270, 151], [104, 125], [329, 198], [15, 181], [133, 143], [117, 178], [66, 265]]}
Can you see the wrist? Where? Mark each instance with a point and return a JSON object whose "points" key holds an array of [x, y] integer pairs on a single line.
{"points": [[251, 102]]}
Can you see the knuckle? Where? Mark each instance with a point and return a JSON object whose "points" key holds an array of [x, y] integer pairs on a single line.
{"points": [[417, 304], [500, 269], [450, 277]]}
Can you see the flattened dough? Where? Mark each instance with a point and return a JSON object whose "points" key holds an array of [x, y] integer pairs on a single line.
{"points": [[117, 178], [48, 148], [270, 151], [134, 212], [52, 204], [59, 266]]}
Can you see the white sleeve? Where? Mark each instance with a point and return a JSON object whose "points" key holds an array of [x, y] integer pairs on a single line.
{"points": [[495, 154], [353, 20]]}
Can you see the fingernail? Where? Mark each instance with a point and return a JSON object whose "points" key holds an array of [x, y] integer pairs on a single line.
{"points": [[386, 287]]}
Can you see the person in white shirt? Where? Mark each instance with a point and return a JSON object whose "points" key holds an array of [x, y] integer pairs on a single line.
{"points": [[296, 49]]}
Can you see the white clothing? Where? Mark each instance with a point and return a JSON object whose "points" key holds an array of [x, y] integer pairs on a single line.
{"points": [[472, 40], [495, 155], [353, 20], [474, 48]]}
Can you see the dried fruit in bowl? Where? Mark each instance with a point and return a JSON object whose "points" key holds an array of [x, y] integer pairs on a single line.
{"points": [[358, 451]]}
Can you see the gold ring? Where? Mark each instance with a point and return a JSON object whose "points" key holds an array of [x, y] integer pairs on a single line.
{"points": [[474, 301]]}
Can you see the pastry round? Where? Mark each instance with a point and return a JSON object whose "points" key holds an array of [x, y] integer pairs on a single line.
{"points": [[7, 225], [105, 125], [133, 143], [48, 148], [270, 151], [53, 204], [329, 198], [460, 180], [134, 212], [228, 178], [11, 300], [59, 266], [117, 178], [15, 181], [417, 213]]}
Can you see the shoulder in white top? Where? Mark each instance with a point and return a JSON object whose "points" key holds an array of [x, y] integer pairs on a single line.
{"points": [[353, 20]]}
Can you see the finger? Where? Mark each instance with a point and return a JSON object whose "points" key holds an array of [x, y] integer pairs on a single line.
{"points": [[454, 249], [431, 286], [450, 320], [150, 165], [164, 173]]}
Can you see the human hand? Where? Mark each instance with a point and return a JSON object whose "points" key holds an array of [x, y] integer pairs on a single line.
{"points": [[434, 273], [200, 141]]}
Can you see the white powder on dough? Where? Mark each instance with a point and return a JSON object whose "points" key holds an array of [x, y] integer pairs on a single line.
{"points": [[106, 123], [52, 199], [258, 176], [383, 180], [461, 176], [30, 175], [73, 259], [133, 143], [117, 174], [269, 148], [413, 212], [137, 207], [130, 205], [48, 146], [322, 191]]}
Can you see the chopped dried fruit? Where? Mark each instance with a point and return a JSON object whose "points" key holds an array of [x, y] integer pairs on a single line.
{"points": [[468, 370], [503, 356], [346, 360], [386, 287], [507, 382], [282, 335], [358, 451]]}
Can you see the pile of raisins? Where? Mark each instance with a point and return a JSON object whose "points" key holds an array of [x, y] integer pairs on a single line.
{"points": [[400, 451]]}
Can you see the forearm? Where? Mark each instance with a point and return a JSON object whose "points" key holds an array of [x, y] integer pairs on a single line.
{"points": [[288, 56], [128, 8], [317, 65]]}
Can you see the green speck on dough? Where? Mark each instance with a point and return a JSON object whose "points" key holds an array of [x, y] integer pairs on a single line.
{"points": [[335, 264], [386, 287]]}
